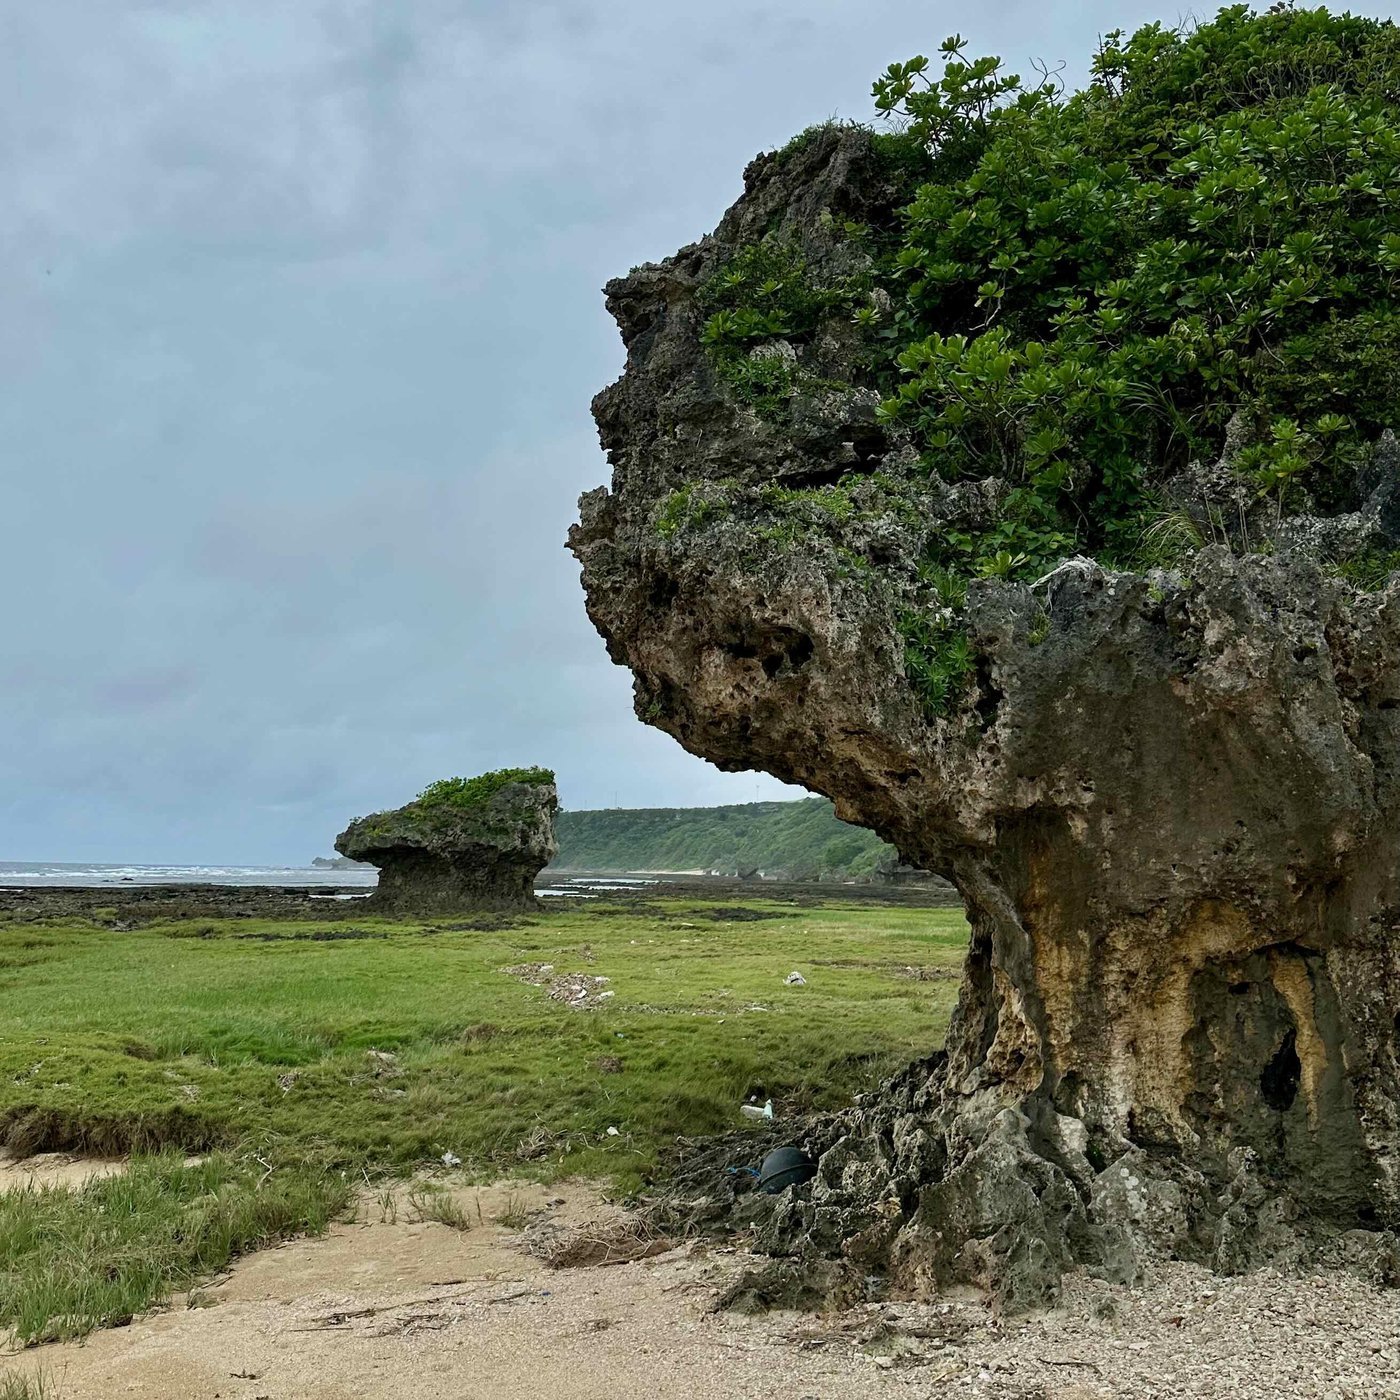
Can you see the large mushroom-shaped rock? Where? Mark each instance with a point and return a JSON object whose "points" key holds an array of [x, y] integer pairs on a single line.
{"points": [[1170, 799], [462, 844]]}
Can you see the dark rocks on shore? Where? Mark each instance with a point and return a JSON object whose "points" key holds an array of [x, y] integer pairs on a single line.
{"points": [[463, 844]]}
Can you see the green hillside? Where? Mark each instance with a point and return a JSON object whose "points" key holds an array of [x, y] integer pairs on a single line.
{"points": [[803, 840]]}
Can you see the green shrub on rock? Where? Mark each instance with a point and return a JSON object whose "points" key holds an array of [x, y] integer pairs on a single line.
{"points": [[472, 792], [1096, 283], [1085, 290]]}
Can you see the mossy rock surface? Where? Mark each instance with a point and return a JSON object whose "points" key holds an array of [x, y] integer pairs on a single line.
{"points": [[473, 843]]}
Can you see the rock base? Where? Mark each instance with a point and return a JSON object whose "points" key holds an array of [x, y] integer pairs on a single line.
{"points": [[919, 1190], [464, 846], [418, 883]]}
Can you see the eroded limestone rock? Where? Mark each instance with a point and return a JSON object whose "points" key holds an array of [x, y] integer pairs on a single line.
{"points": [[461, 845], [1170, 803]]}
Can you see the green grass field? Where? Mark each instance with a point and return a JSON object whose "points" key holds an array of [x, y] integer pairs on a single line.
{"points": [[302, 1060]]}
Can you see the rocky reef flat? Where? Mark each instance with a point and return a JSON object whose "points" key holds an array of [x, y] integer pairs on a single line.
{"points": [[156, 903], [147, 904]]}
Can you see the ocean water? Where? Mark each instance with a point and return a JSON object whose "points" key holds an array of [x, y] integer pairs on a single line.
{"points": [[59, 873], [588, 886]]}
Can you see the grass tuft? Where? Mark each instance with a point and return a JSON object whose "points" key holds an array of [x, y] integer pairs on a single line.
{"points": [[515, 1215], [27, 1129], [73, 1260], [36, 1387], [435, 1203]]}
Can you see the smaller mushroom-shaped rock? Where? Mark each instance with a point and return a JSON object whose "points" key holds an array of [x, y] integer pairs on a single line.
{"points": [[461, 844]]}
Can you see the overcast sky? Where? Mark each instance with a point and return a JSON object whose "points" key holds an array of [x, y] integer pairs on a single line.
{"points": [[300, 326]]}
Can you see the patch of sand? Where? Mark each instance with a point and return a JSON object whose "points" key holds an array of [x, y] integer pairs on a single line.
{"points": [[387, 1308], [54, 1169]]}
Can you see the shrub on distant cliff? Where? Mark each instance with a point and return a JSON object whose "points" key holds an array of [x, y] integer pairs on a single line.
{"points": [[802, 839]]}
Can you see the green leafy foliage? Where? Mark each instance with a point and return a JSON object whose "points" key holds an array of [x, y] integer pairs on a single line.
{"points": [[690, 507], [472, 792], [763, 378], [766, 294], [1085, 289], [768, 289], [1371, 570], [833, 502], [1095, 283], [938, 660]]}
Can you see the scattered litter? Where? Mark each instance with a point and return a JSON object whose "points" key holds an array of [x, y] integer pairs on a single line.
{"points": [[578, 990], [784, 1167], [451, 1159], [613, 1132], [384, 1064], [927, 974], [540, 1142], [536, 974], [752, 1110], [795, 979]]}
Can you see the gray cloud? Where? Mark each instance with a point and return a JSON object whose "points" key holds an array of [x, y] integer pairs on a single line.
{"points": [[301, 326]]}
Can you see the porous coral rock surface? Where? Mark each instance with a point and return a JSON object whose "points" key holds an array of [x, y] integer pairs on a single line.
{"points": [[439, 856], [1169, 801]]}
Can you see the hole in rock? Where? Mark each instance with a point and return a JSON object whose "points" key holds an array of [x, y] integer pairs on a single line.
{"points": [[989, 695], [817, 476], [794, 657], [1279, 1082], [664, 591], [799, 653]]}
